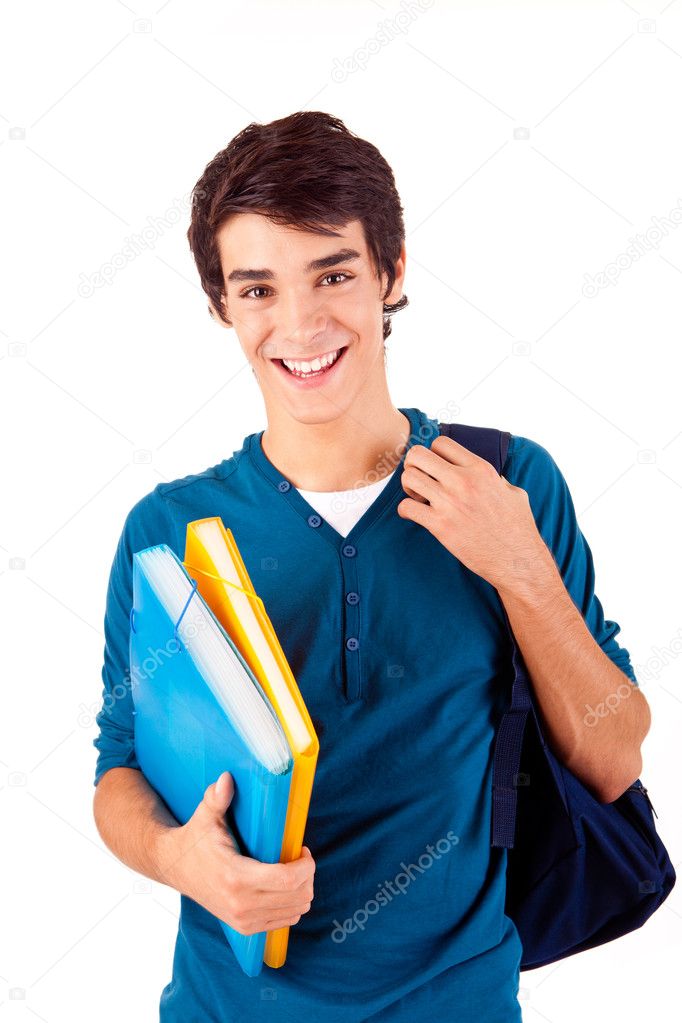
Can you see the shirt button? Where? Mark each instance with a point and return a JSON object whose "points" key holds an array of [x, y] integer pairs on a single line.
{"points": [[352, 597], [352, 643], [283, 486], [348, 550], [314, 521]]}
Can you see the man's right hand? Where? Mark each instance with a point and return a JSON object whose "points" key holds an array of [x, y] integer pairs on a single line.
{"points": [[202, 860]]}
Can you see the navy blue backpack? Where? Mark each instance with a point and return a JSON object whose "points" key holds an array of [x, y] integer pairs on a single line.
{"points": [[579, 872]]}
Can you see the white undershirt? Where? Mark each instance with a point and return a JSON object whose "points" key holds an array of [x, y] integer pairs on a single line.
{"points": [[343, 508]]}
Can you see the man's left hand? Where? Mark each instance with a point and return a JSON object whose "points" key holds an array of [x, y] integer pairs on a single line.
{"points": [[473, 511]]}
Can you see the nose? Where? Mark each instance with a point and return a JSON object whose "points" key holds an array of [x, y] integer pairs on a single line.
{"points": [[301, 321]]}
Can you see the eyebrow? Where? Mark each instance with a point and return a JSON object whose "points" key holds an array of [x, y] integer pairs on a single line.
{"points": [[342, 256]]}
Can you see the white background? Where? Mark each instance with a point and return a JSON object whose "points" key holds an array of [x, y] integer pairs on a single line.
{"points": [[530, 143]]}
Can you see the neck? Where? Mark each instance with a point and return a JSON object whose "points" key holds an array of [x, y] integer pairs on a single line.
{"points": [[353, 450]]}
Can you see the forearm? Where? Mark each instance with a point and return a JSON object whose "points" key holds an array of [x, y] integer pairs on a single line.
{"points": [[570, 673], [134, 823]]}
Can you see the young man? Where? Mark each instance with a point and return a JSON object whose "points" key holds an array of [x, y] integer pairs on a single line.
{"points": [[384, 555]]}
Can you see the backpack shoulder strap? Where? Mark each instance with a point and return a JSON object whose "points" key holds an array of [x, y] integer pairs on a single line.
{"points": [[484, 441], [492, 445]]}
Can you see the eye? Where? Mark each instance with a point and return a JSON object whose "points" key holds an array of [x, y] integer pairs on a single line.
{"points": [[260, 287], [339, 273]]}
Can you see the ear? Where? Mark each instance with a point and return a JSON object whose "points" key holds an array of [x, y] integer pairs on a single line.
{"points": [[396, 292]]}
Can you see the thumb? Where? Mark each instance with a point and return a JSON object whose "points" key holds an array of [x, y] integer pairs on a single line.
{"points": [[306, 854], [218, 796]]}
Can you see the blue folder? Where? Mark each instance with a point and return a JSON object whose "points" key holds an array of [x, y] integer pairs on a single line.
{"points": [[184, 738]]}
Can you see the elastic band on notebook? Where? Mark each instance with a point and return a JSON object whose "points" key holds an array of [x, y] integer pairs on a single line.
{"points": [[132, 623], [219, 578], [194, 590]]}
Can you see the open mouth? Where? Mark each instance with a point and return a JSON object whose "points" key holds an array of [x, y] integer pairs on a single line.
{"points": [[315, 370]]}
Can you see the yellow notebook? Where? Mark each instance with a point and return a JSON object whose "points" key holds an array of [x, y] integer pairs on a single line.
{"points": [[213, 559]]}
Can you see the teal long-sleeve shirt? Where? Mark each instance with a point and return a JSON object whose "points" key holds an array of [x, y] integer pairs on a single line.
{"points": [[402, 657]]}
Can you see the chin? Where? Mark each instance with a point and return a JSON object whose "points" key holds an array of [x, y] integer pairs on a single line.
{"points": [[316, 417]]}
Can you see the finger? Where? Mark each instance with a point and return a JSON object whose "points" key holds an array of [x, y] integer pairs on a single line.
{"points": [[274, 925], [451, 450], [413, 494], [416, 511], [278, 903], [420, 483], [255, 913], [279, 877]]}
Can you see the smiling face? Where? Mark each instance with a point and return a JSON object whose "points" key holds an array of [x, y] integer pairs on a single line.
{"points": [[297, 296]]}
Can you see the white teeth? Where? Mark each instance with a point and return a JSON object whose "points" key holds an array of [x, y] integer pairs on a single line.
{"points": [[302, 368]]}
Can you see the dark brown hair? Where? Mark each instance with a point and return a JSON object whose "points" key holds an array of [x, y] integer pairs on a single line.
{"points": [[305, 171]]}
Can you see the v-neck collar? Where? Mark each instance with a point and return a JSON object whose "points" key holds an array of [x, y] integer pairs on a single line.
{"points": [[423, 430]]}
